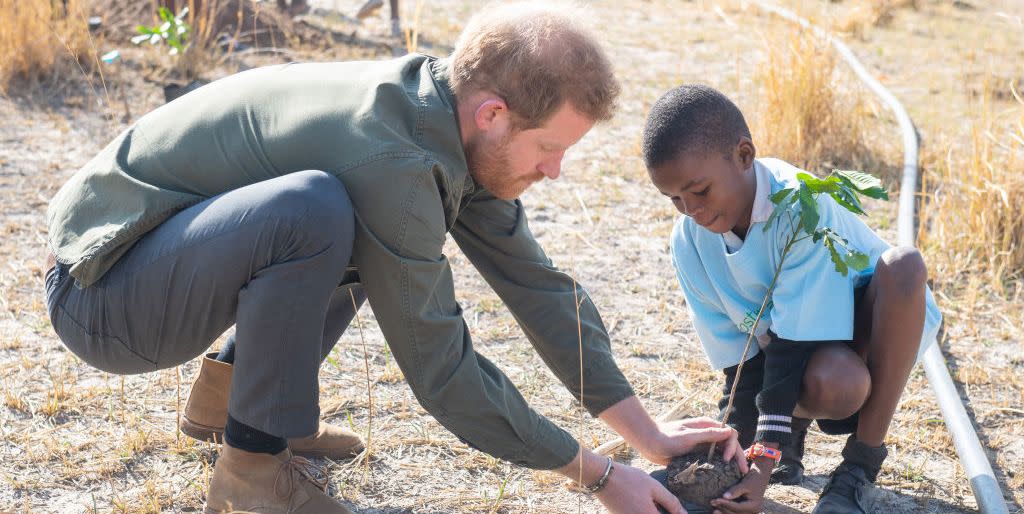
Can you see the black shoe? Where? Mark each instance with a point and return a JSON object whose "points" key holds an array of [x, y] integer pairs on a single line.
{"points": [[848, 491], [851, 487], [790, 470]]}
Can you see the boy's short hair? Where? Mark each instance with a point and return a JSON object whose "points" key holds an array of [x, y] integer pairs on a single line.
{"points": [[536, 57], [689, 118]]}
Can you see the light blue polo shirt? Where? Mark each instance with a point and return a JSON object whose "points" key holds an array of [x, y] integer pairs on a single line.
{"points": [[724, 285]]}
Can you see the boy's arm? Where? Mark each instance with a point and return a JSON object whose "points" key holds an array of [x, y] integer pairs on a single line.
{"points": [[784, 364]]}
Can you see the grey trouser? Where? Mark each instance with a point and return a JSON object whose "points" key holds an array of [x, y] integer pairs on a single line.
{"points": [[267, 258]]}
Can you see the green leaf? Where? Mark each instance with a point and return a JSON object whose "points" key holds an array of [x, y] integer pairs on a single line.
{"points": [[817, 185], [782, 200], [837, 260], [847, 199], [808, 209], [857, 260], [165, 14], [865, 184], [836, 238], [781, 195]]}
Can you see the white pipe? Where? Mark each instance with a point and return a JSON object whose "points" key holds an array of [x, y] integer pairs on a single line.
{"points": [[968, 447]]}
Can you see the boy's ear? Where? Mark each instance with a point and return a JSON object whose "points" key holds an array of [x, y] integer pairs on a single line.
{"points": [[746, 152]]}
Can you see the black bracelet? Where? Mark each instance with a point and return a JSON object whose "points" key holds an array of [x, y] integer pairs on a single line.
{"points": [[601, 482]]}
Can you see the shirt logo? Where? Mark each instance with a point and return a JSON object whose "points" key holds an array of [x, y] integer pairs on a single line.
{"points": [[747, 324]]}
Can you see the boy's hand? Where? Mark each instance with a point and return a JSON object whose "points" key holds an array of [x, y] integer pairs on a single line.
{"points": [[680, 437], [747, 497]]}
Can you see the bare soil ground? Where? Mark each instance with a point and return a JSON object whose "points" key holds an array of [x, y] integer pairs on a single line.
{"points": [[77, 440]]}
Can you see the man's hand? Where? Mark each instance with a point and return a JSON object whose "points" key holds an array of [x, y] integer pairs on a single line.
{"points": [[631, 491], [658, 443], [746, 497], [628, 490], [680, 437]]}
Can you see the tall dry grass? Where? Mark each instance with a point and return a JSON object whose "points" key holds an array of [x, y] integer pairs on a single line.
{"points": [[972, 219], [808, 112], [42, 39]]}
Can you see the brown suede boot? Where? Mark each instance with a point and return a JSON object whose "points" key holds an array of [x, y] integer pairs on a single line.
{"points": [[206, 412], [268, 484], [329, 441]]}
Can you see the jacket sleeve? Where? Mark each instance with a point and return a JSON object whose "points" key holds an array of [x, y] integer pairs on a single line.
{"points": [[398, 251], [494, 235]]}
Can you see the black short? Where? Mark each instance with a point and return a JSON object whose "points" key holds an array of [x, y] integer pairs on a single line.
{"points": [[744, 413]]}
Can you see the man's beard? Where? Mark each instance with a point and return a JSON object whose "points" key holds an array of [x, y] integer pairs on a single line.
{"points": [[491, 167]]}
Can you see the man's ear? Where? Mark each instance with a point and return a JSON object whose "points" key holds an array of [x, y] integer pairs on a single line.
{"points": [[492, 115], [746, 152]]}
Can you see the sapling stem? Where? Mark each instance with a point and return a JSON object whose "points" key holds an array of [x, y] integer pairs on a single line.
{"points": [[753, 330]]}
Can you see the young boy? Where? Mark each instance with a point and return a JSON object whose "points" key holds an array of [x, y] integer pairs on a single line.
{"points": [[832, 348]]}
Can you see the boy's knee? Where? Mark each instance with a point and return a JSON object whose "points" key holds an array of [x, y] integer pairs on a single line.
{"points": [[901, 269], [836, 398], [837, 387]]}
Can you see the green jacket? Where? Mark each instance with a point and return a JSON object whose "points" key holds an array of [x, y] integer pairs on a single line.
{"points": [[389, 132]]}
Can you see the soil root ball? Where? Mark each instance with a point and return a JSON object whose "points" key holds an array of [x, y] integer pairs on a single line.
{"points": [[691, 477]]}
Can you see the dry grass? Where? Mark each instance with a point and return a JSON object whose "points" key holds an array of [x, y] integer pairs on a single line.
{"points": [[808, 112], [42, 39], [972, 222], [207, 21]]}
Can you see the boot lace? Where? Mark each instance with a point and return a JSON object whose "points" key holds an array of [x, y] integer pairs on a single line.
{"points": [[292, 471]]}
